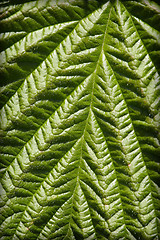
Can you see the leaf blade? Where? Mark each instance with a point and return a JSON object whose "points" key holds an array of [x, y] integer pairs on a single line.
{"points": [[77, 144]]}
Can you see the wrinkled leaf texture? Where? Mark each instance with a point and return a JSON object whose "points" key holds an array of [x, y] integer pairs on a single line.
{"points": [[79, 120]]}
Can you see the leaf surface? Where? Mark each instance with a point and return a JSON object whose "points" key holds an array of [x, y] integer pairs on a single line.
{"points": [[79, 120]]}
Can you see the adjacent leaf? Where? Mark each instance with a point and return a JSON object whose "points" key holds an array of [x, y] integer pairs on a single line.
{"points": [[79, 120]]}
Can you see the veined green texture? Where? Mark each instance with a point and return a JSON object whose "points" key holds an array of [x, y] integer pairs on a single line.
{"points": [[80, 98]]}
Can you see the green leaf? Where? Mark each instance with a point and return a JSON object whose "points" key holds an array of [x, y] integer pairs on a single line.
{"points": [[80, 135]]}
